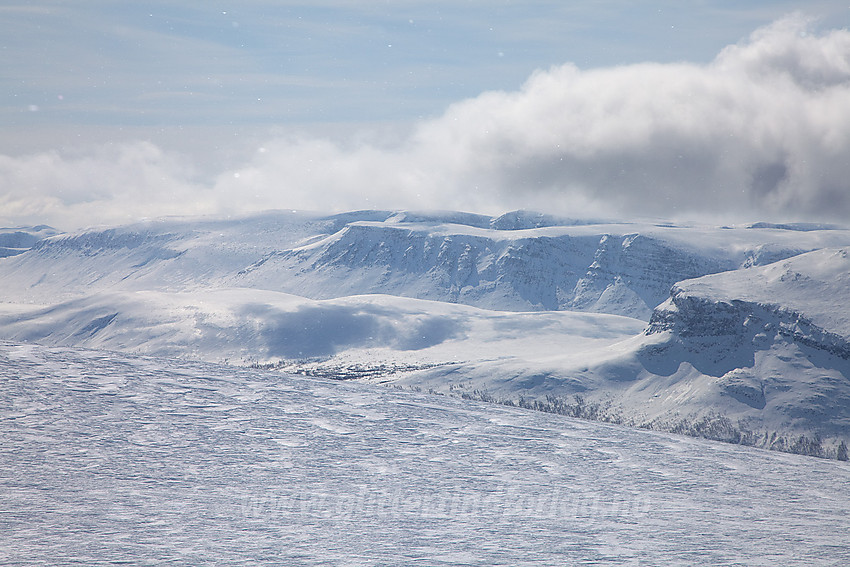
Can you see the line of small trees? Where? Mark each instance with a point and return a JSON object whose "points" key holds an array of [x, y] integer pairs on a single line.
{"points": [[712, 426]]}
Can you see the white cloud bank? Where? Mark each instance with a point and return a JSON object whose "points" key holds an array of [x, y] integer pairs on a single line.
{"points": [[763, 131]]}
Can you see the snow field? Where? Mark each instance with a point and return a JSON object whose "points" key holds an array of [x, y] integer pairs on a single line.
{"points": [[108, 458]]}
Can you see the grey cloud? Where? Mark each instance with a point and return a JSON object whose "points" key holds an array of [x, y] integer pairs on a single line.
{"points": [[762, 130]]}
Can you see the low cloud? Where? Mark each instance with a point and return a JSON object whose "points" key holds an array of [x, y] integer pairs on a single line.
{"points": [[763, 131], [110, 184]]}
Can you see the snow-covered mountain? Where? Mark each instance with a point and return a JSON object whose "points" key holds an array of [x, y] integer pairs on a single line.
{"points": [[14, 241], [757, 356], [570, 316], [518, 262]]}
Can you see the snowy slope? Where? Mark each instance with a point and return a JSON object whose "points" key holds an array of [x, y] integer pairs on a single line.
{"points": [[774, 339], [170, 254], [247, 326], [14, 241], [110, 459]]}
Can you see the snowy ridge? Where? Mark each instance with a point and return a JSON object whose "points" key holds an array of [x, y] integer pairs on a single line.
{"points": [[690, 315], [774, 338]]}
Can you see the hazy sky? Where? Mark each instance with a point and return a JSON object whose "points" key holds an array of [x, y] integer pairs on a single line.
{"points": [[724, 110]]}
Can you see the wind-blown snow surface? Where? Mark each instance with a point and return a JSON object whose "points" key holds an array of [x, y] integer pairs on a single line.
{"points": [[108, 458], [524, 308]]}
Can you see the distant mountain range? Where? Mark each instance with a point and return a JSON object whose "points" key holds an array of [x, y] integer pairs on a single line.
{"points": [[739, 333]]}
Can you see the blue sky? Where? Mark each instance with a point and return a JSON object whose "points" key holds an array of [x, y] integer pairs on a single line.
{"points": [[215, 81], [223, 63]]}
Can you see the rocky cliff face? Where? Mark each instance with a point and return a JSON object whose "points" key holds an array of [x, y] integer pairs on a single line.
{"points": [[801, 299], [514, 270], [691, 317]]}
